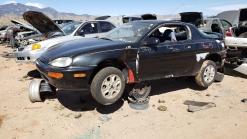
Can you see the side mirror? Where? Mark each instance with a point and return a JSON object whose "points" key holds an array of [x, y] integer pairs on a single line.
{"points": [[80, 32], [152, 41]]}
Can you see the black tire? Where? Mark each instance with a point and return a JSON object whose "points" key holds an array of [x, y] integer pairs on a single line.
{"points": [[243, 35], [204, 78], [102, 80], [244, 53]]}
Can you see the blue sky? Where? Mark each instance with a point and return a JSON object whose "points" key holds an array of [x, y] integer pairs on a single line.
{"points": [[133, 7]]}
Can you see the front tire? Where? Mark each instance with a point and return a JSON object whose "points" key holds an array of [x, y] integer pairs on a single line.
{"points": [[108, 85], [207, 73]]}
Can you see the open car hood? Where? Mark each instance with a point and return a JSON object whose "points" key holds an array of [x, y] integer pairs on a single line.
{"points": [[195, 18], [23, 25], [41, 22], [149, 17]]}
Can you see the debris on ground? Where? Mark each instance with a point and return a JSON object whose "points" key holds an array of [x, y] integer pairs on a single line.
{"points": [[208, 95], [162, 108], [25, 76], [194, 106], [77, 116], [139, 106], [161, 101], [105, 118], [244, 100]]}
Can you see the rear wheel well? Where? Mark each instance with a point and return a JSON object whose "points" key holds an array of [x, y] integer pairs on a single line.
{"points": [[215, 58], [119, 64]]}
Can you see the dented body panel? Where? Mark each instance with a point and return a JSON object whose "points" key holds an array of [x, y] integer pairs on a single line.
{"points": [[164, 60]]}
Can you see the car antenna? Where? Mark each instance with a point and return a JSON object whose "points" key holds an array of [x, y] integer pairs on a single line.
{"points": [[175, 10]]}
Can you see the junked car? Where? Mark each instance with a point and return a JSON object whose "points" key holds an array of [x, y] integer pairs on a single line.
{"points": [[123, 57], [44, 28], [208, 25], [73, 31], [236, 37]]}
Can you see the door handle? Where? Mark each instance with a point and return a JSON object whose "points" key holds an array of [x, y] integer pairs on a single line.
{"points": [[188, 47]]}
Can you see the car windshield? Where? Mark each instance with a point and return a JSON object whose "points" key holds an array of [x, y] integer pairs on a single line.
{"points": [[71, 27], [129, 32]]}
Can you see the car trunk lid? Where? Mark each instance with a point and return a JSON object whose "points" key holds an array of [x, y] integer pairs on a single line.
{"points": [[195, 18], [242, 15]]}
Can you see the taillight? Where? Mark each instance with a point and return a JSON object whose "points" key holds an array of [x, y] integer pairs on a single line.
{"points": [[228, 33]]}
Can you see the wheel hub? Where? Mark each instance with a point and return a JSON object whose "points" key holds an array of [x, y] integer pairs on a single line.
{"points": [[209, 74], [111, 86]]}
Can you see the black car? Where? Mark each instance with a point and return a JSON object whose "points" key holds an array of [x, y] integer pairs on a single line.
{"points": [[130, 55]]}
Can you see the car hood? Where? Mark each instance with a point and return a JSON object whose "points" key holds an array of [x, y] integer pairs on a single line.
{"points": [[80, 46], [50, 42], [41, 22], [191, 17], [23, 25]]}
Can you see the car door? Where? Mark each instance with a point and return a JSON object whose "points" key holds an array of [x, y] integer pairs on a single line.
{"points": [[105, 26], [167, 59], [225, 25]]}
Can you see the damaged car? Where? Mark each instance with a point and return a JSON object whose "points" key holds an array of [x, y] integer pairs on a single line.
{"points": [[236, 37], [73, 31], [44, 28], [210, 26], [122, 58]]}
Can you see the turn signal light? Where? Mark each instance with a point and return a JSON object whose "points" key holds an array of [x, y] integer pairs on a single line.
{"points": [[55, 75], [79, 75], [36, 46]]}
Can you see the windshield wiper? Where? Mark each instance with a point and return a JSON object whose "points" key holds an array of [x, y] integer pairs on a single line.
{"points": [[105, 38]]}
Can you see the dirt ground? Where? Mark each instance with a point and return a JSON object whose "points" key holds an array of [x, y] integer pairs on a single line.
{"points": [[55, 117]]}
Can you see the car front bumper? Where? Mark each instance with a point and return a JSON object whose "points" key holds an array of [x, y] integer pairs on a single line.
{"points": [[68, 81], [27, 56]]}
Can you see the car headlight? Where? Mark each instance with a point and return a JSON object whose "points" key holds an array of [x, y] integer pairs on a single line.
{"points": [[61, 62], [36, 46]]}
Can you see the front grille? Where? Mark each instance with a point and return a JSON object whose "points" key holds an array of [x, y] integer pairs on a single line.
{"points": [[20, 58]]}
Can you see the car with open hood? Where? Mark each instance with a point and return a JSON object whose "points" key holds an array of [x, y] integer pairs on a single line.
{"points": [[44, 28], [130, 55], [73, 31]]}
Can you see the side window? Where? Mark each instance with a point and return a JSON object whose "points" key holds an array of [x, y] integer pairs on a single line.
{"points": [[215, 22], [136, 18], [106, 26], [90, 28], [171, 33], [225, 23]]}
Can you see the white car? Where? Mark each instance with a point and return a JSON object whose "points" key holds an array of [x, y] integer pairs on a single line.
{"points": [[88, 29], [231, 40]]}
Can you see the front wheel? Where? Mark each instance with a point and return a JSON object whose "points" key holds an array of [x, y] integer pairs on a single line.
{"points": [[207, 73], [108, 85]]}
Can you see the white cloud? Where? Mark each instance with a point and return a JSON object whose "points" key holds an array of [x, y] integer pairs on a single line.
{"points": [[35, 5], [10, 1], [228, 7]]}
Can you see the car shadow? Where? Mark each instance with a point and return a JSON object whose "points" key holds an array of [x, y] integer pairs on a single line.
{"points": [[34, 73], [83, 100]]}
